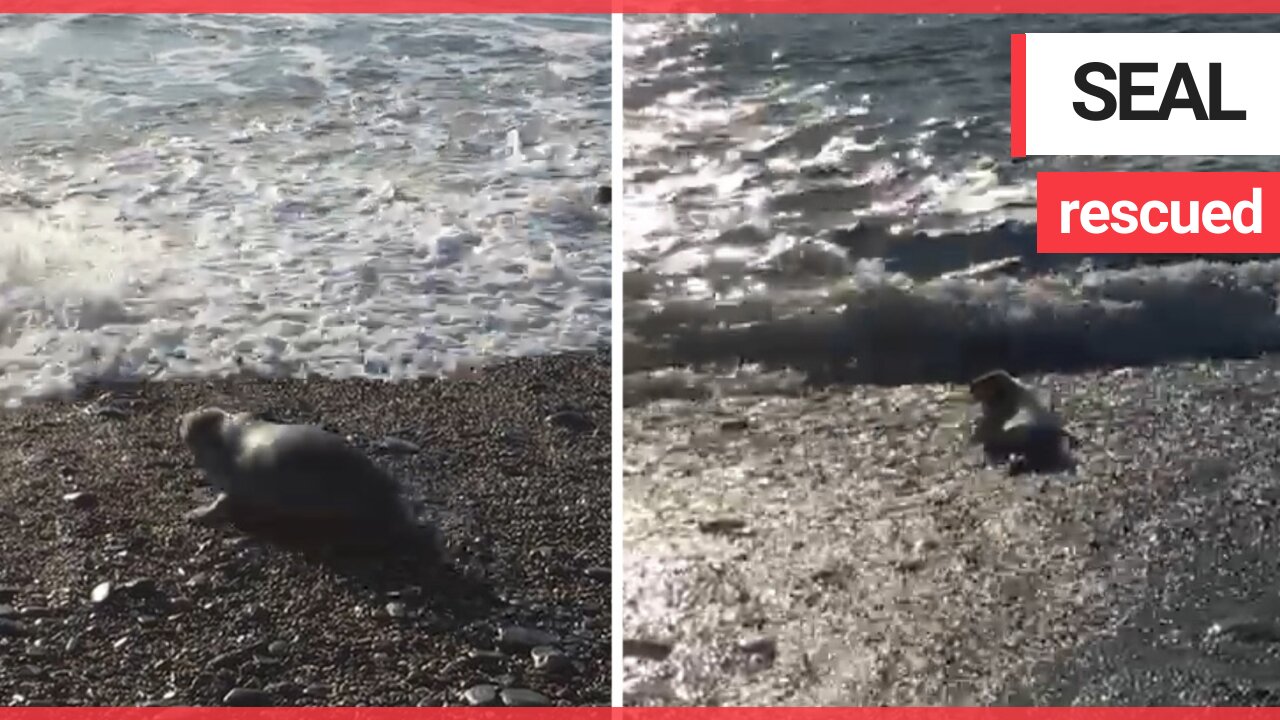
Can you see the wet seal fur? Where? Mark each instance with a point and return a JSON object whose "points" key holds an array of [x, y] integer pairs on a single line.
{"points": [[1016, 427], [299, 480]]}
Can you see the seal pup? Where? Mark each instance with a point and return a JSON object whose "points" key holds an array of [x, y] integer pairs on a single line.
{"points": [[1016, 426], [299, 477]]}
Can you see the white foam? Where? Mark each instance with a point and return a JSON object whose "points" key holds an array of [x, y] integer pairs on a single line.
{"points": [[365, 222], [926, 330]]}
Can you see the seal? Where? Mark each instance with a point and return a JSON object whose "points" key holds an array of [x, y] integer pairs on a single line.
{"points": [[1016, 426], [274, 475]]}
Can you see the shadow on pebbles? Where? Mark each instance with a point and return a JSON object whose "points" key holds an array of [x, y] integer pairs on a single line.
{"points": [[848, 548], [109, 597]]}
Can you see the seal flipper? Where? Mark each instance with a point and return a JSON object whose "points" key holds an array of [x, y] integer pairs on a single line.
{"points": [[215, 513], [1043, 449]]}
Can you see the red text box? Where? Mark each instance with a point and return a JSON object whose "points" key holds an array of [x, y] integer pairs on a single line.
{"points": [[1153, 212]]}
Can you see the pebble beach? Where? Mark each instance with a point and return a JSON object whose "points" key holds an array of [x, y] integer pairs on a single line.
{"points": [[109, 597], [847, 547]]}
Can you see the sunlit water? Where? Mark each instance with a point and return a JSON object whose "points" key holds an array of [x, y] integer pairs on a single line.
{"points": [[343, 195], [839, 188]]}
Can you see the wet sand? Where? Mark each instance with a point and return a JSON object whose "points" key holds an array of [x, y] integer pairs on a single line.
{"points": [[512, 461], [846, 547]]}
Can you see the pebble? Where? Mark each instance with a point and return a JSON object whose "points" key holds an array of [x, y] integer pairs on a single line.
{"points": [[522, 638], [647, 649], [100, 593], [227, 660], [736, 425], [599, 573], [604, 195], [924, 545], [759, 645], [283, 688], [83, 500], [397, 446], [411, 591], [38, 652], [397, 610], [571, 420], [1245, 630], [911, 564], [722, 526], [108, 411], [139, 587], [247, 697], [520, 697], [484, 658], [481, 695], [11, 628], [254, 612], [549, 659], [278, 648], [316, 690]]}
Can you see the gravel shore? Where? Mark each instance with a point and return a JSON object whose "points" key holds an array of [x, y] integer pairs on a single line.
{"points": [[846, 547], [511, 460]]}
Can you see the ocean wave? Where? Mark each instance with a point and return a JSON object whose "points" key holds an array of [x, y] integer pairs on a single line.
{"points": [[882, 326], [367, 196]]}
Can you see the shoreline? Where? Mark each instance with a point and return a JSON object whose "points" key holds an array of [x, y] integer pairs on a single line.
{"points": [[522, 498]]}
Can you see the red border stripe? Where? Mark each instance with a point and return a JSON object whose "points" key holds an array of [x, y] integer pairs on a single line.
{"points": [[309, 712], [754, 713], [925, 7], [308, 6], [1018, 95], [1092, 7], [701, 713], [932, 713]]}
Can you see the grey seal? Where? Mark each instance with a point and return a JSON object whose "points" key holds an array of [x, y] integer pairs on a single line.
{"points": [[1016, 426], [299, 476]]}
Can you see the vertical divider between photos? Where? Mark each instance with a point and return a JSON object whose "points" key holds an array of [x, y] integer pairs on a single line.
{"points": [[615, 332]]}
